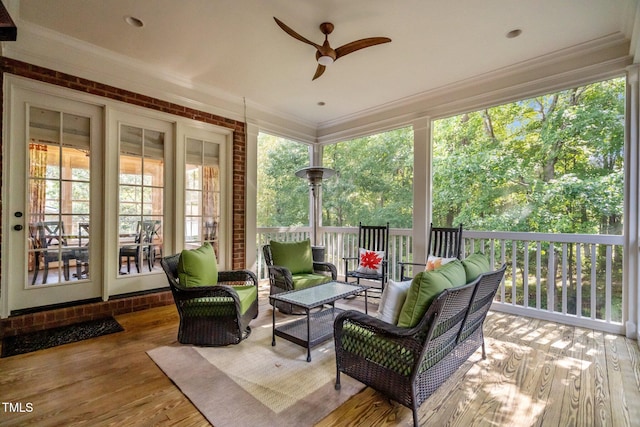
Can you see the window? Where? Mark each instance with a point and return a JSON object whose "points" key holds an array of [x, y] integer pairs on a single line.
{"points": [[59, 193], [141, 196], [202, 193]]}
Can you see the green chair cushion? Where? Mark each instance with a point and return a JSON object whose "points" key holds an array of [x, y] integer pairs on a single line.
{"points": [[475, 265], [455, 272], [425, 286], [377, 349], [295, 256], [307, 280], [198, 267], [221, 306], [247, 294]]}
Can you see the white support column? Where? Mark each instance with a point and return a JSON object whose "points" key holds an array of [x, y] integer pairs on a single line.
{"points": [[631, 267], [421, 186], [251, 196]]}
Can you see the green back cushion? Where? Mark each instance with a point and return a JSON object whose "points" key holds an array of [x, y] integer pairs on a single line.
{"points": [[295, 256], [198, 267], [425, 286], [475, 265]]}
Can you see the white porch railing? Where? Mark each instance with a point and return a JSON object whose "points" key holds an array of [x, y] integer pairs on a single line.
{"points": [[568, 278]]}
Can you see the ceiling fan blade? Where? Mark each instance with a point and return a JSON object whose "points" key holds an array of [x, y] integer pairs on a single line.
{"points": [[319, 71], [360, 44], [294, 34]]}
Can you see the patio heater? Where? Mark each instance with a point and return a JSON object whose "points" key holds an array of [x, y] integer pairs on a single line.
{"points": [[314, 176]]}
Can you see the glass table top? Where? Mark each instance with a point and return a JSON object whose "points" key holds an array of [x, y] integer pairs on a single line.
{"points": [[318, 295]]}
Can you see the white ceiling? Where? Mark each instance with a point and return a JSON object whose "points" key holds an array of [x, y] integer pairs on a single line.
{"points": [[235, 48]]}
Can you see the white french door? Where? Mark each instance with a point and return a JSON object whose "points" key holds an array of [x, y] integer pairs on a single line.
{"points": [[139, 187], [52, 201]]}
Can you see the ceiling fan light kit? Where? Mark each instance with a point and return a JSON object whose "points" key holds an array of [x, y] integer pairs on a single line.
{"points": [[325, 54], [325, 60]]}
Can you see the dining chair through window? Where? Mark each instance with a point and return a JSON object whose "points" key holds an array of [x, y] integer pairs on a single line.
{"points": [[51, 246]]}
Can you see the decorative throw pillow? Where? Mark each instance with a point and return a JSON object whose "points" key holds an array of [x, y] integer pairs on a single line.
{"points": [[434, 262], [391, 301], [295, 256], [198, 267], [370, 262]]}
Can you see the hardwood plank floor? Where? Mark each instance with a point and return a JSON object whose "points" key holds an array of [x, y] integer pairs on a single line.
{"points": [[536, 373]]}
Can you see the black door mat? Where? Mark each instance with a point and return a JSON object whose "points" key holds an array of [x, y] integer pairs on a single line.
{"points": [[47, 338]]}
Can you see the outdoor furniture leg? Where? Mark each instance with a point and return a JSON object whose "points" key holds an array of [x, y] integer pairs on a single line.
{"points": [[273, 327], [366, 303], [308, 335]]}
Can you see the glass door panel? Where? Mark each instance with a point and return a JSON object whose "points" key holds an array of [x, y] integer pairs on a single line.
{"points": [[202, 193], [59, 200], [140, 200]]}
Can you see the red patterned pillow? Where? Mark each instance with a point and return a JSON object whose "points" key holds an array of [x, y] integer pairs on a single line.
{"points": [[370, 262]]}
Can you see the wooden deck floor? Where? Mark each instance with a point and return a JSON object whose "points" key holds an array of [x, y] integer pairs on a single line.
{"points": [[536, 374]]}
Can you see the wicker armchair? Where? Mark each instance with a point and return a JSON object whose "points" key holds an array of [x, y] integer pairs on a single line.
{"points": [[211, 315], [281, 279], [409, 364]]}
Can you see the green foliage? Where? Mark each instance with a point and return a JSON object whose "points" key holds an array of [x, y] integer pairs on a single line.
{"points": [[548, 164], [373, 182], [283, 198]]}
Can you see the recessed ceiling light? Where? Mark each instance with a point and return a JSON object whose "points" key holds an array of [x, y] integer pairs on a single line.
{"points": [[321, 103], [133, 21], [514, 33]]}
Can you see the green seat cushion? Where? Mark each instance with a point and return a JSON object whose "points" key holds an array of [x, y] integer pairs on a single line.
{"points": [[198, 267], [295, 256], [247, 294], [377, 349], [475, 265], [307, 280], [221, 306], [425, 286]]}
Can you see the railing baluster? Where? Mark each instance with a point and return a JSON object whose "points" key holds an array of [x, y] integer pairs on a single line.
{"points": [[525, 274], [565, 288], [539, 275], [594, 265], [578, 280], [607, 303]]}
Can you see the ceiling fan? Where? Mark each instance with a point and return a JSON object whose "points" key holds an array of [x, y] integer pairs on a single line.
{"points": [[325, 54]]}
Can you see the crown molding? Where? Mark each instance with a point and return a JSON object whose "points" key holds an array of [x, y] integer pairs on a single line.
{"points": [[46, 48], [599, 58]]}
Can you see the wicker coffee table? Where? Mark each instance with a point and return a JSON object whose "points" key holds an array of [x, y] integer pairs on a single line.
{"points": [[316, 327]]}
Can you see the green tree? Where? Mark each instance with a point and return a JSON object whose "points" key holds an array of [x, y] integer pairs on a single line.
{"points": [[373, 182], [534, 165], [283, 198]]}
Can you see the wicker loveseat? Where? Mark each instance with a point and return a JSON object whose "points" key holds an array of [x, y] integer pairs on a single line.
{"points": [[409, 364]]}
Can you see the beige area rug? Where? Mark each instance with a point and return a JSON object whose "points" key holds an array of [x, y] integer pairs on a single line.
{"points": [[255, 384]]}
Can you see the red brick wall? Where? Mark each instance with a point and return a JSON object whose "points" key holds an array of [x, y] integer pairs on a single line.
{"points": [[25, 323], [19, 68]]}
